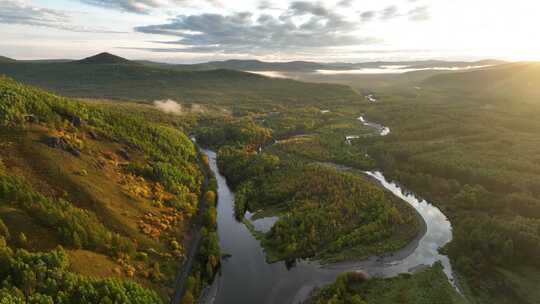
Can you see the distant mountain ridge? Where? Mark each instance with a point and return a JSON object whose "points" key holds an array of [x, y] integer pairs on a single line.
{"points": [[6, 59], [309, 66], [113, 77], [258, 65]]}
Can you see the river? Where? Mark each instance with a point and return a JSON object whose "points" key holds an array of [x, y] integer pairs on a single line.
{"points": [[246, 277]]}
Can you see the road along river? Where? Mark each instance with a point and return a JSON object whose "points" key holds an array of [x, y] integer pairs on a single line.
{"points": [[246, 277]]}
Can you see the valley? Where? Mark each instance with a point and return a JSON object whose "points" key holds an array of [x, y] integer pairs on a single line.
{"points": [[263, 188]]}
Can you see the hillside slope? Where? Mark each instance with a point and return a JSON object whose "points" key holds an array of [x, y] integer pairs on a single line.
{"points": [[148, 83], [509, 80], [117, 192]]}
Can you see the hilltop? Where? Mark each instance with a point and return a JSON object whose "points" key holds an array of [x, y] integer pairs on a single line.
{"points": [[104, 58]]}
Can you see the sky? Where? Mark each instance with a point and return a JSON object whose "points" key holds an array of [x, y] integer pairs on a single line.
{"points": [[187, 31]]}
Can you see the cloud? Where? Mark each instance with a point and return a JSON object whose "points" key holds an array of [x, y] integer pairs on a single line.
{"points": [[305, 7], [345, 3], [145, 6], [367, 16], [19, 12], [390, 12], [420, 13], [302, 26], [267, 5]]}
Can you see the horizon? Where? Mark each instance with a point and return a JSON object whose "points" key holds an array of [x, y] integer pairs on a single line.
{"points": [[187, 31], [259, 60]]}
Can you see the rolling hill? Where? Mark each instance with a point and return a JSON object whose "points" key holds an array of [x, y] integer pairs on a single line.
{"points": [[109, 76], [508, 80]]}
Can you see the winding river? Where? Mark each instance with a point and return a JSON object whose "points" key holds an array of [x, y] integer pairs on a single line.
{"points": [[246, 277]]}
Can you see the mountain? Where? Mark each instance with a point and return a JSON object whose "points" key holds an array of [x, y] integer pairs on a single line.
{"points": [[307, 66], [508, 80], [100, 77], [427, 64], [6, 59], [256, 65], [104, 58]]}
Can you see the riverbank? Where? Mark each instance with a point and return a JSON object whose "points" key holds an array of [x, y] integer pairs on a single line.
{"points": [[186, 268], [246, 277]]}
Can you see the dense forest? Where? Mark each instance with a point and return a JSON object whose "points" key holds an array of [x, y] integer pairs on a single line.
{"points": [[474, 157], [123, 203], [477, 157], [315, 202], [119, 78]]}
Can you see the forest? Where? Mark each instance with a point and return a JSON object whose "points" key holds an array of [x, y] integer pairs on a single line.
{"points": [[129, 80], [133, 191], [477, 157], [126, 198], [314, 202], [474, 157]]}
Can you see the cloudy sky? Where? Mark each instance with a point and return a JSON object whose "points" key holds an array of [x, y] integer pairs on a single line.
{"points": [[339, 30]]}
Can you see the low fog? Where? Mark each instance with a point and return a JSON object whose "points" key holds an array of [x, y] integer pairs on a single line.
{"points": [[168, 106]]}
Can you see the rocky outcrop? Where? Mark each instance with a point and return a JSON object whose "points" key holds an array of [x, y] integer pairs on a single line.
{"points": [[63, 144]]}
